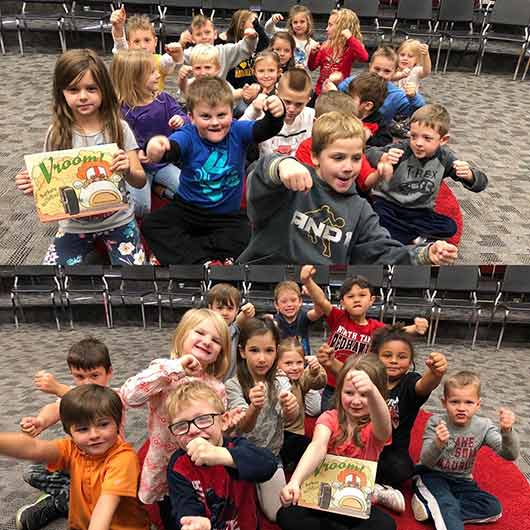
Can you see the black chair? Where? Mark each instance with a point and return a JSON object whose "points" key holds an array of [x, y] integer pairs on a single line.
{"points": [[46, 14], [414, 18], [36, 281], [321, 278], [455, 22], [276, 6], [182, 285], [456, 289], [176, 16], [260, 282], [320, 9], [8, 20], [377, 278], [91, 16], [222, 10], [87, 282], [234, 274], [410, 289], [134, 282], [507, 21], [367, 11], [514, 295]]}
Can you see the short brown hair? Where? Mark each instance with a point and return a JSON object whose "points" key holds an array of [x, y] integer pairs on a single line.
{"points": [[369, 87], [198, 21], [286, 285], [334, 101], [460, 380], [334, 126], [85, 404], [388, 53], [360, 281], [87, 354], [210, 90], [434, 116], [297, 80], [139, 22], [190, 392], [224, 294]]}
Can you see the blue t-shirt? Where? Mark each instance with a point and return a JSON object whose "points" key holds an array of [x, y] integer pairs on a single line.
{"points": [[212, 174], [298, 328]]}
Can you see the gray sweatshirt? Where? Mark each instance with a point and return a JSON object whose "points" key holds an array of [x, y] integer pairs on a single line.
{"points": [[319, 227], [459, 455], [415, 183]]}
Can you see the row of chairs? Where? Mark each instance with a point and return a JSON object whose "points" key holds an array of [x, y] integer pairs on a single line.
{"points": [[399, 290]]}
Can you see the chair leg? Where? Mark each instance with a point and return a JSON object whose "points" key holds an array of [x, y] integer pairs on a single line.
{"points": [[159, 300], [438, 55], [525, 70], [106, 305], [450, 45], [20, 42], [70, 310], [142, 307], [15, 310], [436, 322], [111, 320], [482, 51], [475, 332], [2, 45], [55, 314], [519, 61], [501, 334]]}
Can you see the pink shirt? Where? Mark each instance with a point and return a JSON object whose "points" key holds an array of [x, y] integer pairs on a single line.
{"points": [[152, 386], [372, 446]]}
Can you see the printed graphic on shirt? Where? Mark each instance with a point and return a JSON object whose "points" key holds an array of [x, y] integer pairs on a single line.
{"points": [[346, 343], [222, 512], [462, 456], [322, 225], [243, 69], [418, 180], [393, 407], [216, 175]]}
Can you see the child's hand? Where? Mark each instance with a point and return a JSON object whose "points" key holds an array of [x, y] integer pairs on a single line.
{"points": [[314, 47], [411, 89], [142, 157], [307, 272], [184, 72], [195, 522], [250, 92], [157, 147], [424, 49], [277, 17], [437, 363], [335, 77], [117, 19], [274, 105], [506, 419], [393, 155], [294, 176], [250, 34], [233, 417], [257, 395], [120, 162], [422, 325], [23, 182], [248, 310], [31, 425], [290, 493], [442, 253], [259, 102], [328, 86], [442, 435], [346, 33], [191, 365], [175, 50], [288, 402], [385, 167], [176, 122], [185, 38], [202, 452], [313, 365], [45, 382], [325, 355], [463, 170], [360, 380]]}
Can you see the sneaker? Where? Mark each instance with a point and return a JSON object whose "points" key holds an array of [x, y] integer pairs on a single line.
{"points": [[38, 514], [419, 509], [389, 497]]}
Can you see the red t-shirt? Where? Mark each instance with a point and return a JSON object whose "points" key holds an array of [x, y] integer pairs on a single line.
{"points": [[348, 338]]}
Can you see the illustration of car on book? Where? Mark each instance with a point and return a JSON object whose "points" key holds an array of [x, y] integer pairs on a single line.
{"points": [[347, 495]]}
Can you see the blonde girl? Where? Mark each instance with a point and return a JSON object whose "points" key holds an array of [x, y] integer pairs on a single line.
{"points": [[342, 48], [265, 399], [86, 113], [414, 63], [358, 427], [148, 112], [200, 349], [300, 25]]}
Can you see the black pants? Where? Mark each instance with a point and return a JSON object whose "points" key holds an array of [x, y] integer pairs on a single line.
{"points": [[394, 467], [297, 517], [292, 449], [181, 233], [165, 513]]}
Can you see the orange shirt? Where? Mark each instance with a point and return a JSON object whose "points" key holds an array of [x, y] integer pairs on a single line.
{"points": [[116, 472]]}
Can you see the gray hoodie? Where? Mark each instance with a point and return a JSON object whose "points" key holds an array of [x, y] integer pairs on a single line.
{"points": [[321, 226]]}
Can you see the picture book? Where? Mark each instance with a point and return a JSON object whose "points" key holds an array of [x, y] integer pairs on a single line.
{"points": [[340, 485], [76, 183]]}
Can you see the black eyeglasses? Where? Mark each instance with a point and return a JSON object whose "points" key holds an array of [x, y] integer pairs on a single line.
{"points": [[201, 422]]}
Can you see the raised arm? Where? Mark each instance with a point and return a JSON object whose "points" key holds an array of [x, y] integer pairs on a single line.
{"points": [[315, 292], [47, 416], [18, 445], [436, 368]]}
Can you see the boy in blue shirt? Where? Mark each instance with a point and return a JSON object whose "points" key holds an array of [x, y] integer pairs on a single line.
{"points": [[204, 220]]}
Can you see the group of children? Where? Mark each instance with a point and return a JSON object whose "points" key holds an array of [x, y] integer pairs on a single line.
{"points": [[226, 415], [286, 182]]}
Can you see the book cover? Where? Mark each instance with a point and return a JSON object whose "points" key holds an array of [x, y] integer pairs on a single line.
{"points": [[340, 485], [76, 183]]}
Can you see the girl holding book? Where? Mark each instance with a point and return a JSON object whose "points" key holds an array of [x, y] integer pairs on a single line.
{"points": [[358, 427]]}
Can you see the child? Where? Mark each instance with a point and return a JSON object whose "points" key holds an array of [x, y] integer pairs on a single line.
{"points": [[350, 329], [224, 299], [407, 392], [405, 202], [204, 220], [294, 89], [103, 468], [445, 489], [384, 63], [342, 48], [300, 26], [89, 362], [141, 34], [330, 224], [283, 44], [291, 359], [200, 349], [267, 70], [358, 427], [414, 64], [86, 113], [148, 112], [265, 399], [211, 478]]}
